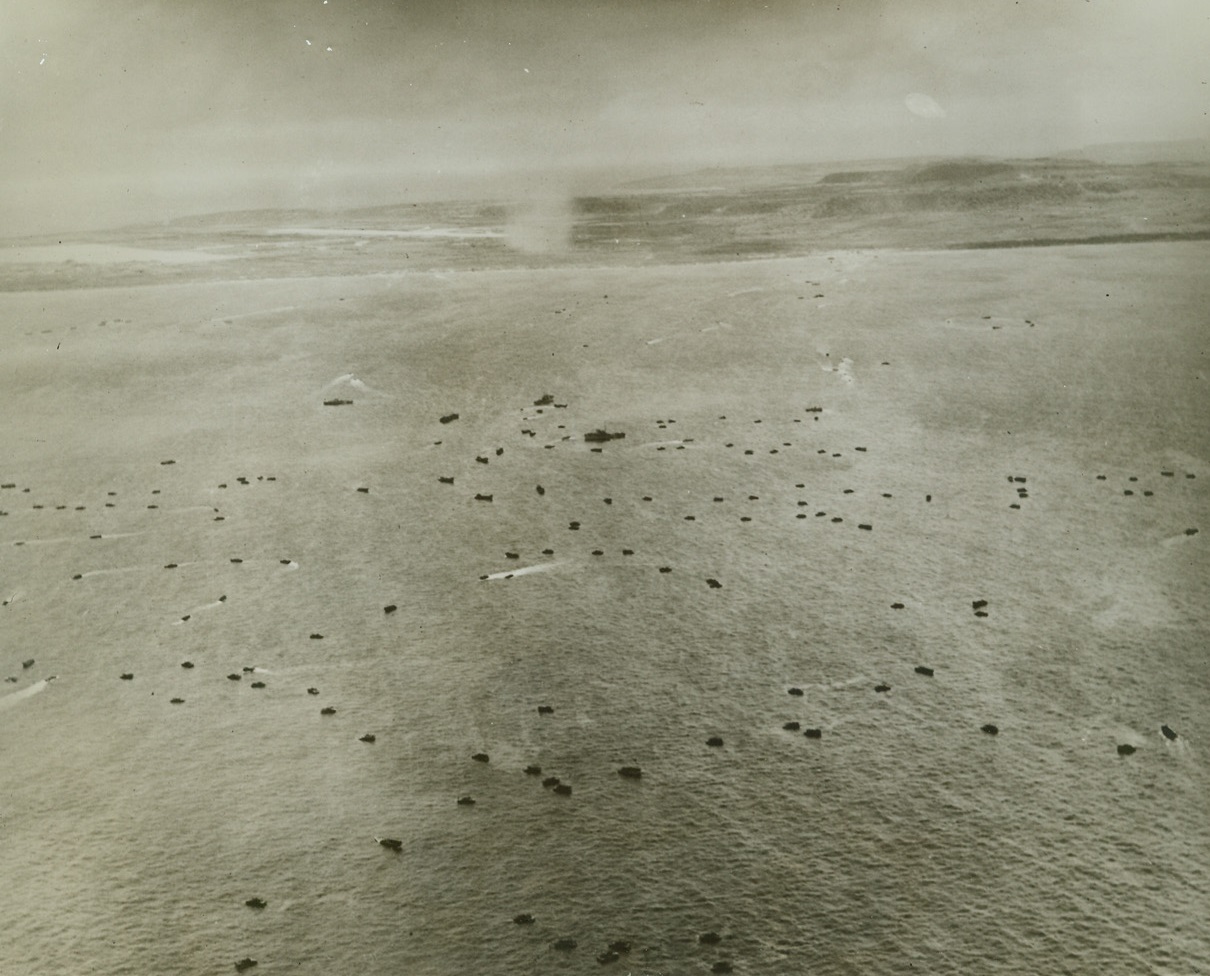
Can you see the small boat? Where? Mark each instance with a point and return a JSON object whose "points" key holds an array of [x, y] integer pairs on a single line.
{"points": [[600, 436]]}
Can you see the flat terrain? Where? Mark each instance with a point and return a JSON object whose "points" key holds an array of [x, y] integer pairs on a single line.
{"points": [[839, 466], [713, 215]]}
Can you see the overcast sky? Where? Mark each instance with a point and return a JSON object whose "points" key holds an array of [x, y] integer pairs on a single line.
{"points": [[114, 111]]}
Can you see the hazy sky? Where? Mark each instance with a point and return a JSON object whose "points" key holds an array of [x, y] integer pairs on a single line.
{"points": [[115, 111]]}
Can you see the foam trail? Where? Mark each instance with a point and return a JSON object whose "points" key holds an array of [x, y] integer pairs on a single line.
{"points": [[522, 571], [844, 369], [837, 685], [9, 701], [103, 572], [351, 380], [204, 606]]}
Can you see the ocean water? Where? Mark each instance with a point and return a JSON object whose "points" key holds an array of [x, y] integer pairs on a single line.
{"points": [[770, 409]]}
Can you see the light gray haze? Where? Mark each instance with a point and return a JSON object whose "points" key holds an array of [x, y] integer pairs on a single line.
{"points": [[119, 111]]}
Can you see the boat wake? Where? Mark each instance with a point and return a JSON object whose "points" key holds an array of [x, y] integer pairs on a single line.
{"points": [[521, 571], [10, 701]]}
